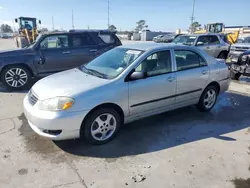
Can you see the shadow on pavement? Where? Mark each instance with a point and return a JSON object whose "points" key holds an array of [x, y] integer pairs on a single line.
{"points": [[170, 129], [5, 90]]}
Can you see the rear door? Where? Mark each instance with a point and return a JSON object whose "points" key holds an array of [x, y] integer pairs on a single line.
{"points": [[192, 74], [53, 54], [83, 49]]}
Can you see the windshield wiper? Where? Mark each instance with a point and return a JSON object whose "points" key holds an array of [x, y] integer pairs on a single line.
{"points": [[93, 72]]}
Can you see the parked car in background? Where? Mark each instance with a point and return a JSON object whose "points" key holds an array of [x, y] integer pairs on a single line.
{"points": [[238, 48], [169, 38], [241, 67], [213, 44], [4, 36], [123, 85], [157, 38], [52, 53]]}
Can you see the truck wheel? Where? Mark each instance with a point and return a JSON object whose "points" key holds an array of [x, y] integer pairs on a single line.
{"points": [[223, 55], [101, 126], [16, 77], [208, 99]]}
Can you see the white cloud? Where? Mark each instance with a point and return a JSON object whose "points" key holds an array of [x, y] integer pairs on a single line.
{"points": [[1, 7]]}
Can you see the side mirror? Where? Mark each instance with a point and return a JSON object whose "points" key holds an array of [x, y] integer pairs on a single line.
{"points": [[200, 44], [137, 76], [16, 20], [39, 22]]}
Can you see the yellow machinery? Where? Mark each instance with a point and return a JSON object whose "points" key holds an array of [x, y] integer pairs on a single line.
{"points": [[27, 32], [220, 28]]}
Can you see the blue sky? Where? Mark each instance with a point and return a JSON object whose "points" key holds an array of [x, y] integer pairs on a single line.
{"points": [[163, 15]]}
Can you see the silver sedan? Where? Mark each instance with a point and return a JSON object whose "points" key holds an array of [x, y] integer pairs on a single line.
{"points": [[123, 85]]}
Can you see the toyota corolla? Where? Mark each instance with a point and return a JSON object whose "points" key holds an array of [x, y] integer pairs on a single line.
{"points": [[123, 85]]}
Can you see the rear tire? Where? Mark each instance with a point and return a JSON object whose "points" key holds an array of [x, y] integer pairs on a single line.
{"points": [[101, 126], [16, 77], [208, 99]]}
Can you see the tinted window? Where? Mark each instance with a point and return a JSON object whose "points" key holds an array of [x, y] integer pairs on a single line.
{"points": [[208, 40], [184, 39], [56, 41], [81, 40], [157, 63], [214, 40], [203, 39], [107, 38], [187, 60]]}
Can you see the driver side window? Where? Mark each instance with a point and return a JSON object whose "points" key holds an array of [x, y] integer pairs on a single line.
{"points": [[58, 41], [155, 64]]}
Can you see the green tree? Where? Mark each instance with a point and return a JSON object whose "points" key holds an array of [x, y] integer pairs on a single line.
{"points": [[112, 28], [140, 25], [5, 28], [194, 27]]}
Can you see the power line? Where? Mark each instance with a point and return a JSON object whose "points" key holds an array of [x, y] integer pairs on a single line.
{"points": [[192, 17], [72, 19], [53, 23]]}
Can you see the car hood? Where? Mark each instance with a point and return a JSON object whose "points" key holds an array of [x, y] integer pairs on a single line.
{"points": [[242, 45], [67, 83], [16, 52]]}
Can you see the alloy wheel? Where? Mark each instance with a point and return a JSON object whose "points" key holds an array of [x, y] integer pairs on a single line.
{"points": [[16, 77], [103, 127], [210, 98]]}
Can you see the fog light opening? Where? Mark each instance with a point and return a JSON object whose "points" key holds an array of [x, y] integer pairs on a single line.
{"points": [[52, 132]]}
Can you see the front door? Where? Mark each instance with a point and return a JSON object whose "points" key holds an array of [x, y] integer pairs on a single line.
{"points": [[53, 54], [210, 44], [157, 90], [192, 75]]}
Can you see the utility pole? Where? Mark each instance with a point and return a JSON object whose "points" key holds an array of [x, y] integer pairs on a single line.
{"points": [[192, 18], [73, 20], [53, 24], [108, 13]]}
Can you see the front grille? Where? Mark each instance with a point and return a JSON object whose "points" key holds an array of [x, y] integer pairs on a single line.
{"points": [[240, 49], [32, 98]]}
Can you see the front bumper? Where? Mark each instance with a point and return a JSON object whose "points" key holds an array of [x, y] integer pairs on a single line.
{"points": [[42, 122]]}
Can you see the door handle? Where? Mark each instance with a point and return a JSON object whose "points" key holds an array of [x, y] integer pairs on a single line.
{"points": [[170, 79], [93, 50], [67, 52], [204, 72], [41, 61]]}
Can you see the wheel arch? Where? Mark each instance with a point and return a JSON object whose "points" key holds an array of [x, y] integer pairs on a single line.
{"points": [[106, 105], [19, 64], [223, 51], [215, 84]]}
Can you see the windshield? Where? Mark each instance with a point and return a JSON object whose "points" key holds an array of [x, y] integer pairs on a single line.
{"points": [[112, 63], [184, 40]]}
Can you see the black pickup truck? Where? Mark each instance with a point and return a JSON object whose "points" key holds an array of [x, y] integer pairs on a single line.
{"points": [[52, 53], [241, 67]]}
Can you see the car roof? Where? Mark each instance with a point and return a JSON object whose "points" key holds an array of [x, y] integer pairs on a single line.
{"points": [[201, 34], [72, 31], [152, 46]]}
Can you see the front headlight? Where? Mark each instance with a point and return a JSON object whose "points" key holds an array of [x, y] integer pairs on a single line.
{"points": [[55, 104], [244, 58]]}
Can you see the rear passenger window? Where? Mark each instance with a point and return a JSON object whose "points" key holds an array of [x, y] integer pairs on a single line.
{"points": [[81, 40], [186, 59], [214, 40], [106, 38]]}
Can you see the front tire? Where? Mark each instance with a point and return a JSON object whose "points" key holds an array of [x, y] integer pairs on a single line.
{"points": [[223, 55], [101, 126], [16, 77], [208, 99]]}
